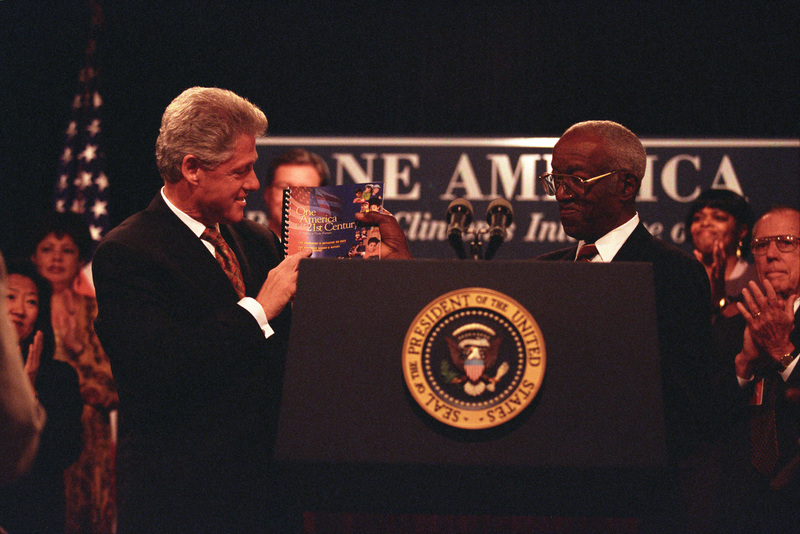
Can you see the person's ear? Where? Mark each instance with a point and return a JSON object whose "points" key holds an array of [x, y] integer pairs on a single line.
{"points": [[190, 169], [629, 185], [743, 229]]}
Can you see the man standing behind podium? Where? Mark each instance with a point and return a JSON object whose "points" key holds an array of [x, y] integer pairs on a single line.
{"points": [[196, 332], [294, 168], [598, 167]]}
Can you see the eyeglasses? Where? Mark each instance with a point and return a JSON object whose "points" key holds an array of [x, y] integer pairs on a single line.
{"points": [[785, 243], [552, 181]]}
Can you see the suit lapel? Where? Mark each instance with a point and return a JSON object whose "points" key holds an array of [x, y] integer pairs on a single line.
{"points": [[634, 248], [189, 254]]}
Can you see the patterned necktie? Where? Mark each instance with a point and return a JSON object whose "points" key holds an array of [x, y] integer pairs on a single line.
{"points": [[226, 258], [763, 432], [587, 252]]}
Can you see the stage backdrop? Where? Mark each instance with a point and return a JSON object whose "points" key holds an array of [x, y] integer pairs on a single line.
{"points": [[421, 176]]}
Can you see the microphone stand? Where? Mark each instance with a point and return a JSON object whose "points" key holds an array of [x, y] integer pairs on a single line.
{"points": [[499, 215], [476, 247]]}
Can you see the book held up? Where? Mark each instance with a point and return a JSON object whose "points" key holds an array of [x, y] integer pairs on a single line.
{"points": [[323, 219]]}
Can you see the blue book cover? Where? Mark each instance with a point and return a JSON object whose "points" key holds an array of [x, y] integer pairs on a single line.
{"points": [[323, 219]]}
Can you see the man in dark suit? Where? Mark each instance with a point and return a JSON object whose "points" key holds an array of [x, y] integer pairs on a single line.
{"points": [[192, 312], [197, 360], [766, 370], [598, 167]]}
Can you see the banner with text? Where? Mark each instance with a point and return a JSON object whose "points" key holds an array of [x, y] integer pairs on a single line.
{"points": [[421, 176]]}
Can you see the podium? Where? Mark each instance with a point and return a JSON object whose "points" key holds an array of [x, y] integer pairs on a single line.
{"points": [[352, 438]]}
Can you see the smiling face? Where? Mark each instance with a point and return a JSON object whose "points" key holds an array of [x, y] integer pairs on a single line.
{"points": [[782, 269], [58, 260], [600, 208], [23, 304], [710, 225], [220, 193]]}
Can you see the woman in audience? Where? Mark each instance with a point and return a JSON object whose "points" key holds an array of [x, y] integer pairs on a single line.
{"points": [[35, 503], [22, 417], [719, 224], [62, 248]]}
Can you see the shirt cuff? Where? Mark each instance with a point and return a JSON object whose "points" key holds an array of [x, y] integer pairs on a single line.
{"points": [[786, 373], [743, 382], [251, 305]]}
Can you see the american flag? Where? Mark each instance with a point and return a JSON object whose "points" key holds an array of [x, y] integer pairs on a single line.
{"points": [[325, 204], [82, 185]]}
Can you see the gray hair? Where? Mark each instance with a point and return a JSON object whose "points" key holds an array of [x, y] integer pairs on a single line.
{"points": [[627, 151], [204, 122]]}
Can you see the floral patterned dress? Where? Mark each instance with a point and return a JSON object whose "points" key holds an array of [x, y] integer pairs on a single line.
{"points": [[89, 482]]}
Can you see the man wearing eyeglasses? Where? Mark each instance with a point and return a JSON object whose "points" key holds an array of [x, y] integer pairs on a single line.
{"points": [[772, 331], [763, 484], [598, 168]]}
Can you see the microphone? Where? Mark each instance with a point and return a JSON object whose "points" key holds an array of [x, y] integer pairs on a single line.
{"points": [[499, 215], [458, 217]]}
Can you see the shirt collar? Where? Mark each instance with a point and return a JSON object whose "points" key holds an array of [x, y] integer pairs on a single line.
{"points": [[194, 225], [609, 244]]}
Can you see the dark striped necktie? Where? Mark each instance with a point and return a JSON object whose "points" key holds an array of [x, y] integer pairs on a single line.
{"points": [[587, 252], [226, 258], [763, 431]]}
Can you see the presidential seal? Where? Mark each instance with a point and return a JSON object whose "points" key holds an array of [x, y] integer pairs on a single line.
{"points": [[474, 358]]}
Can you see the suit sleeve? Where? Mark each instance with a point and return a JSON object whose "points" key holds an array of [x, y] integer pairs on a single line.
{"points": [[169, 336], [687, 353]]}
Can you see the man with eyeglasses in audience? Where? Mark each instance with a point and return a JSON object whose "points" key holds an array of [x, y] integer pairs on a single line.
{"points": [[598, 168], [762, 487]]}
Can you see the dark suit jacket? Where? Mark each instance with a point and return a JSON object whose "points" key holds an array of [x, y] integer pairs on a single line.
{"points": [[683, 311], [35, 503], [744, 502], [199, 384], [728, 333]]}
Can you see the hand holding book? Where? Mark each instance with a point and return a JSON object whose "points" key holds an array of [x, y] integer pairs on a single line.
{"points": [[393, 241]]}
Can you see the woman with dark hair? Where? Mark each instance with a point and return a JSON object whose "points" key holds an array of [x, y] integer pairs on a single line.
{"points": [[35, 503], [63, 246], [719, 225]]}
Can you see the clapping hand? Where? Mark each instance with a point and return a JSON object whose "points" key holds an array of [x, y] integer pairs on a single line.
{"points": [[770, 319], [34, 356]]}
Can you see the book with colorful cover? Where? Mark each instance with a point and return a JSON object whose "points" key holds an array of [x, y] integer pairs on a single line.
{"points": [[323, 219]]}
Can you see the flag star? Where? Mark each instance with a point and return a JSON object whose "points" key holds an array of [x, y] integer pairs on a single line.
{"points": [[66, 157], [72, 129], [83, 180], [97, 100], [99, 209], [96, 232], [89, 153], [101, 181], [60, 205], [94, 127], [77, 206], [63, 182], [76, 102]]}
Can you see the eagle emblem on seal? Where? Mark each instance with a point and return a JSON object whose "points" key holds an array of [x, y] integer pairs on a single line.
{"points": [[473, 352]]}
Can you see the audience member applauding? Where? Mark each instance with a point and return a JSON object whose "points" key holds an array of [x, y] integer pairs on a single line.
{"points": [[62, 248], [766, 369], [35, 503], [21, 416], [719, 224]]}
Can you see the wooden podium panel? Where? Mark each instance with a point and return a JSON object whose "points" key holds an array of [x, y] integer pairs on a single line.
{"points": [[352, 437]]}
